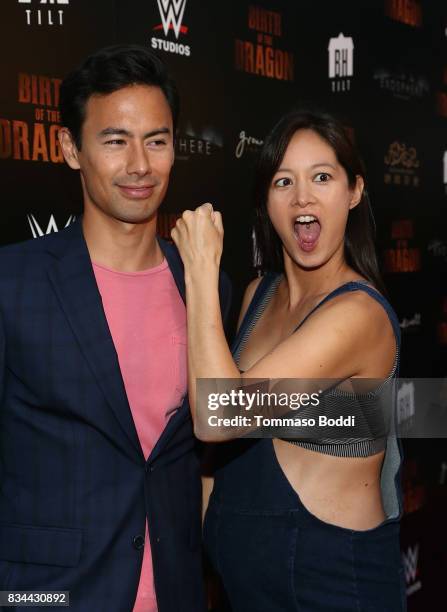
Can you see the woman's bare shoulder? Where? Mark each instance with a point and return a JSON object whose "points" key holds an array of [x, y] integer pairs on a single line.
{"points": [[338, 340], [358, 303], [356, 312]]}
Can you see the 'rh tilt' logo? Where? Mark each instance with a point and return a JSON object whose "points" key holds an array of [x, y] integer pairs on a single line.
{"points": [[341, 62], [44, 16]]}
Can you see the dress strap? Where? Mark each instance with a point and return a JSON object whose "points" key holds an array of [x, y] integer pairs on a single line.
{"points": [[259, 301]]}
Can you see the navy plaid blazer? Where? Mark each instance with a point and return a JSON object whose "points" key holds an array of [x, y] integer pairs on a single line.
{"points": [[75, 488]]}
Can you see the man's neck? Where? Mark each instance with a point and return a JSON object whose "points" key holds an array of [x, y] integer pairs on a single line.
{"points": [[125, 247]]}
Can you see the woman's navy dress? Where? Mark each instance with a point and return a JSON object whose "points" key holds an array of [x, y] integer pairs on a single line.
{"points": [[272, 554]]}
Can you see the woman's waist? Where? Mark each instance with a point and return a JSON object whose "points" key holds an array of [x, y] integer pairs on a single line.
{"points": [[348, 476], [277, 482], [360, 513]]}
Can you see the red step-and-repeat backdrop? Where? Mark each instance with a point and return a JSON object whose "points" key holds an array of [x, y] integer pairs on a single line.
{"points": [[380, 64]]}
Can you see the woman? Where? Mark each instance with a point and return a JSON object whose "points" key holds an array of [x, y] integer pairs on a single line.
{"points": [[295, 525]]}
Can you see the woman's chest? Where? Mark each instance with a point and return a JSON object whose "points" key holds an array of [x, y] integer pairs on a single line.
{"points": [[263, 335]]}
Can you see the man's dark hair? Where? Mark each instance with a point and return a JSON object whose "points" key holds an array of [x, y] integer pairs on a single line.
{"points": [[359, 236], [109, 70]]}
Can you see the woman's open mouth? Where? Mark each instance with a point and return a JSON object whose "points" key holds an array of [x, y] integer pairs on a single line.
{"points": [[307, 230]]}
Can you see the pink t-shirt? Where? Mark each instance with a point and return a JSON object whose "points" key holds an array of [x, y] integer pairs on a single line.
{"points": [[147, 320]]}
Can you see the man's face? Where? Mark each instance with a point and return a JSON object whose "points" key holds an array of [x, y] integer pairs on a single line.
{"points": [[127, 153]]}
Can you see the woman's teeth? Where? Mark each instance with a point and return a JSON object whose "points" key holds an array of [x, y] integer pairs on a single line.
{"points": [[305, 219]]}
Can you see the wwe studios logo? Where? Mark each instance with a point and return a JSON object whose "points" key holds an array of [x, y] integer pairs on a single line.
{"points": [[171, 13], [38, 232], [410, 561]]}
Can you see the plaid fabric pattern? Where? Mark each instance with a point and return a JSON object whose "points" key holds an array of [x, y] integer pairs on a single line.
{"points": [[75, 488]]}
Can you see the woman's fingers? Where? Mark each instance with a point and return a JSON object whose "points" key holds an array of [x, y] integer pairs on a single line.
{"points": [[190, 218], [207, 207], [199, 233], [175, 235], [186, 216], [178, 230], [217, 220]]}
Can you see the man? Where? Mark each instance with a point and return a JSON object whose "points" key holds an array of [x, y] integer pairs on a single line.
{"points": [[96, 440]]}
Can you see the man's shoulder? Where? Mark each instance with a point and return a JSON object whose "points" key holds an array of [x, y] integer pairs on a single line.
{"points": [[169, 247], [34, 246], [34, 252], [225, 287]]}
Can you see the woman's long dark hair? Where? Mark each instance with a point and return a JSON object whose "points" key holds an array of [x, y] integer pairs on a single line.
{"points": [[360, 252]]}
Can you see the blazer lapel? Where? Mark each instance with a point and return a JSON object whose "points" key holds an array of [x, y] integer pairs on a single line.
{"points": [[176, 267], [74, 282]]}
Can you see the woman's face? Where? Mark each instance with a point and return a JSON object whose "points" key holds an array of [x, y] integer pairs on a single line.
{"points": [[309, 200]]}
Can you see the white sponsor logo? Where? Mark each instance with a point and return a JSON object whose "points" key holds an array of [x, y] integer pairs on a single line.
{"points": [[341, 62], [402, 85], [410, 562], [38, 232], [246, 143], [438, 248], [47, 14], [405, 403], [44, 1], [171, 14], [414, 322], [193, 143]]}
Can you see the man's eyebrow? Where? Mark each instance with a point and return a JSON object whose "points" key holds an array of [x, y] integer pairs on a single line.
{"points": [[115, 131]]}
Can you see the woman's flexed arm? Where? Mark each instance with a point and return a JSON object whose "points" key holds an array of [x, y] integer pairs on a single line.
{"points": [[342, 339], [198, 236]]}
